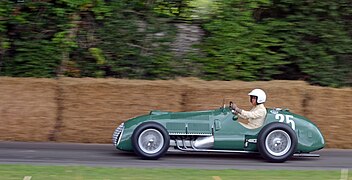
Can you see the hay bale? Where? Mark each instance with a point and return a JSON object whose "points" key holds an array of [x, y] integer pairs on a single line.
{"points": [[202, 95], [28, 108], [330, 109], [94, 107], [88, 110]]}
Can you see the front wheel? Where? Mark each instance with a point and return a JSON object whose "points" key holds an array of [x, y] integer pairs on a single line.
{"points": [[150, 140], [277, 142]]}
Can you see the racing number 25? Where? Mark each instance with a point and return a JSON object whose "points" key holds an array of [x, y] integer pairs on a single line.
{"points": [[288, 118]]}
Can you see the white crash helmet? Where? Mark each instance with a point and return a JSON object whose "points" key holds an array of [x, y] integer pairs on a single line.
{"points": [[260, 94]]}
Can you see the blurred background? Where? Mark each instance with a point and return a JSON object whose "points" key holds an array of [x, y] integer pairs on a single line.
{"points": [[95, 63], [163, 39]]}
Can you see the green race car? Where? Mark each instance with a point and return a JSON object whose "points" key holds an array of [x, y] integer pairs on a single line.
{"points": [[283, 134]]}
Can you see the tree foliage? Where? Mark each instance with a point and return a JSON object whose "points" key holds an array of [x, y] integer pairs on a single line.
{"points": [[238, 47], [244, 39], [256, 40], [317, 38]]}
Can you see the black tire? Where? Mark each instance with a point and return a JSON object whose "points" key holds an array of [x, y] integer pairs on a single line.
{"points": [[158, 143], [277, 142]]}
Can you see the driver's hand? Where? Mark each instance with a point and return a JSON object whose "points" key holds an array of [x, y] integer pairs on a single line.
{"points": [[235, 109], [234, 106], [233, 112]]}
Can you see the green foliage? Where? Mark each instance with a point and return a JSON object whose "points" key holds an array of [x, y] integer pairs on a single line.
{"points": [[98, 55], [244, 39], [5, 12], [174, 8], [255, 40], [29, 49], [42, 61], [317, 40], [131, 42], [238, 47]]}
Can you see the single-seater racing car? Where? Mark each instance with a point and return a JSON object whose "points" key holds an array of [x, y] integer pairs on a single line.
{"points": [[282, 135]]}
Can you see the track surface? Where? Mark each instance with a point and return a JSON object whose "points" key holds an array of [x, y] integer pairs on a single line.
{"points": [[106, 155]]}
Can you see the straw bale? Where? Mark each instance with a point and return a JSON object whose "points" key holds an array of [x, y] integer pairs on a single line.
{"points": [[94, 107], [331, 109], [210, 94], [88, 110], [28, 108]]}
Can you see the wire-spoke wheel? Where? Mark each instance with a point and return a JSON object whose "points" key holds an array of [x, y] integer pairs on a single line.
{"points": [[150, 140], [277, 142]]}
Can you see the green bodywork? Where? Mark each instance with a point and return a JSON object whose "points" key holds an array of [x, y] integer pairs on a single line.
{"points": [[228, 133]]}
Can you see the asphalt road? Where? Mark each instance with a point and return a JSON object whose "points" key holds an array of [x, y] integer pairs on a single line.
{"points": [[106, 155]]}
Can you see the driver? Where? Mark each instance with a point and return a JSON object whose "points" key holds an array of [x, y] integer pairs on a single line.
{"points": [[257, 114]]}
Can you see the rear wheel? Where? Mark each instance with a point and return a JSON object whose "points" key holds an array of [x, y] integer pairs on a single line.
{"points": [[150, 140], [277, 142]]}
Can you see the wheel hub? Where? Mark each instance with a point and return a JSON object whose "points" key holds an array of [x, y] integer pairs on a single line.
{"points": [[278, 143], [150, 141]]}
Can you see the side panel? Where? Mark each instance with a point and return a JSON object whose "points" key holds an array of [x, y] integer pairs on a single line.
{"points": [[184, 123], [181, 123], [229, 134]]}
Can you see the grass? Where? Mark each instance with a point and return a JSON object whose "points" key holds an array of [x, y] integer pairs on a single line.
{"points": [[18, 172]]}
